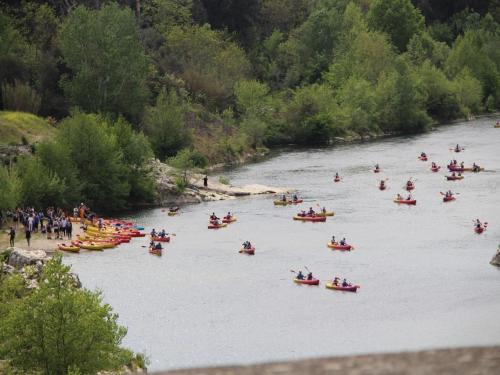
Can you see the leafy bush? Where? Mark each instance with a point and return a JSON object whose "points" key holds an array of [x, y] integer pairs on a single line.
{"points": [[20, 97], [224, 180]]}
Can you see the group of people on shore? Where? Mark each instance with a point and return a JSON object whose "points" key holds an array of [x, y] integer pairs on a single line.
{"points": [[54, 222]]}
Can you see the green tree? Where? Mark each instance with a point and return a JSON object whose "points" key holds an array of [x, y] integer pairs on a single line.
{"points": [[107, 62], [58, 327], [164, 124], [398, 18], [164, 14], [468, 91], [10, 190], [95, 152]]}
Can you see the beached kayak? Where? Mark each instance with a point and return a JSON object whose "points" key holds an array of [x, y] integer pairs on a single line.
{"points": [[250, 251], [307, 282], [448, 199], [349, 288], [453, 178], [228, 220], [216, 226], [71, 248], [337, 246], [406, 201], [310, 218], [88, 245], [327, 213], [161, 239], [155, 251], [435, 169]]}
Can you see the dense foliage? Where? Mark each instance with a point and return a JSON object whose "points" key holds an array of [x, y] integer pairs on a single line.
{"points": [[222, 78], [58, 328]]}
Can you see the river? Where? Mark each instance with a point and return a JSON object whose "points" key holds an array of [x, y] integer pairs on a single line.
{"points": [[424, 274]]}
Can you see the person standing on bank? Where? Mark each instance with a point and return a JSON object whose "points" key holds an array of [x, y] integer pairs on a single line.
{"points": [[12, 236], [205, 181], [28, 235]]}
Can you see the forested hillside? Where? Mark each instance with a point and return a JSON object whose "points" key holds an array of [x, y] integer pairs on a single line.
{"points": [[224, 77]]}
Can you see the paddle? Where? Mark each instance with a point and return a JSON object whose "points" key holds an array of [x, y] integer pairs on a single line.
{"points": [[293, 271]]}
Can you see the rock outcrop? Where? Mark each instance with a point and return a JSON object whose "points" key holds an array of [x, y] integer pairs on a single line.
{"points": [[19, 258], [496, 258], [196, 192]]}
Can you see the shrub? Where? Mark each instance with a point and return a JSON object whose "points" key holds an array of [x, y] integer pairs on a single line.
{"points": [[21, 97]]}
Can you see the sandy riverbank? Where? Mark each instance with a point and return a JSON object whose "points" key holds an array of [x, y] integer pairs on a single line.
{"points": [[38, 241]]}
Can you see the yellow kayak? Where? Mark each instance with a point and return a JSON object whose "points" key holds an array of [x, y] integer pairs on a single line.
{"points": [[64, 247], [496, 126], [90, 246], [327, 213], [172, 213], [281, 203]]}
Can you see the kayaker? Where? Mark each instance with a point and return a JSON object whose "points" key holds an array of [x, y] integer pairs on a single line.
{"points": [[311, 211], [213, 217], [434, 165], [399, 197], [333, 239], [377, 166], [152, 244], [337, 175], [478, 223], [457, 148], [382, 183], [300, 275], [409, 197], [409, 183], [462, 165], [158, 246], [153, 233], [475, 167], [283, 198], [423, 155], [162, 233], [295, 198], [309, 276], [345, 283], [336, 280], [453, 174], [302, 213], [343, 242], [323, 210], [228, 216]]}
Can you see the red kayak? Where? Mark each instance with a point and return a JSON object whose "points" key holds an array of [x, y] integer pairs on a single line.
{"points": [[406, 201], [297, 201], [376, 170], [454, 178], [337, 246], [410, 187], [423, 158], [161, 239], [382, 187], [250, 251], [479, 230], [155, 251], [307, 282], [435, 169], [337, 180], [448, 199], [455, 168]]}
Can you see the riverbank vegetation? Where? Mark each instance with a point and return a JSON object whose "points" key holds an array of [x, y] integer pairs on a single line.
{"points": [[221, 80], [58, 328]]}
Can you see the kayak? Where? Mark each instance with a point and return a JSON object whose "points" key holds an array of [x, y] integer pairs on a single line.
{"points": [[471, 169], [310, 218], [228, 220], [479, 230], [107, 245], [435, 169], [448, 199], [453, 178], [337, 180], [496, 126], [349, 288], [382, 187], [327, 213], [172, 213], [423, 158], [250, 251], [88, 245], [455, 168], [410, 187], [155, 251], [376, 170], [138, 227], [283, 203], [406, 201], [161, 239], [72, 248], [337, 246], [216, 226], [307, 282]]}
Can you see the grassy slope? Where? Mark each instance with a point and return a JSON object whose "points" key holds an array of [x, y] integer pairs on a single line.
{"points": [[15, 125]]}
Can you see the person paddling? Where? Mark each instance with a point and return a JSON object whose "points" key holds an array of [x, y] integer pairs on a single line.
{"points": [[310, 276], [343, 241], [300, 275], [333, 239]]}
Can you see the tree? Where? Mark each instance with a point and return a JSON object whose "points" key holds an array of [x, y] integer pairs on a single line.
{"points": [[10, 190], [468, 91], [58, 327], [398, 18], [107, 62], [165, 126]]}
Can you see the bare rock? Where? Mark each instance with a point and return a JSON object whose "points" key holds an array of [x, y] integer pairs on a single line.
{"points": [[495, 261], [19, 258]]}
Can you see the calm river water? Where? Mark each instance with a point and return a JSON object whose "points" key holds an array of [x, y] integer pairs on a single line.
{"points": [[424, 274]]}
